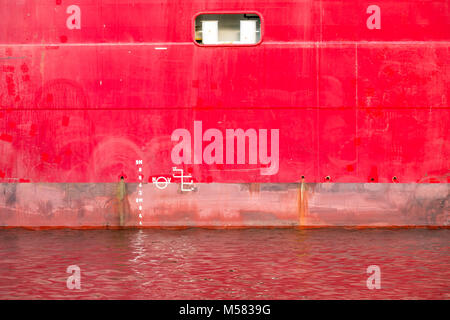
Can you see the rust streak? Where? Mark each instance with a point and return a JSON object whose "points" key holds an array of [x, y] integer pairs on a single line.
{"points": [[121, 193], [302, 202]]}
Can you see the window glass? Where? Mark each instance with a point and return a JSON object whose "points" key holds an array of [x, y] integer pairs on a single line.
{"points": [[220, 29]]}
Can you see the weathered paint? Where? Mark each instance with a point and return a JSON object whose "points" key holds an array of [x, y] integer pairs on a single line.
{"points": [[78, 106], [226, 205]]}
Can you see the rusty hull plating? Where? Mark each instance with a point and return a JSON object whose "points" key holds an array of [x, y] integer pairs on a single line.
{"points": [[361, 106]]}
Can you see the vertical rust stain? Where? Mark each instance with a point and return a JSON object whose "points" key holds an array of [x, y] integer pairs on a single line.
{"points": [[302, 202], [121, 197], [254, 188]]}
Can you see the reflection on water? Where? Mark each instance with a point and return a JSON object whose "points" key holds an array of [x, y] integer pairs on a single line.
{"points": [[225, 264]]}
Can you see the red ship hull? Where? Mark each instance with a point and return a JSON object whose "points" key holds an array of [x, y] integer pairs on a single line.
{"points": [[362, 114]]}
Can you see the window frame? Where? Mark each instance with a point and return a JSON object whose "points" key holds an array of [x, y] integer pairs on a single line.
{"points": [[261, 31]]}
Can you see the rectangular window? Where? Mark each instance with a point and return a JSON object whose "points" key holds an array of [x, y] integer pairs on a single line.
{"points": [[228, 29]]}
